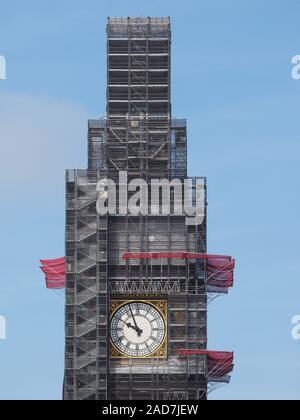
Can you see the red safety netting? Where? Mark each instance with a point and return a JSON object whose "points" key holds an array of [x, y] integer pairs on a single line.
{"points": [[219, 363], [219, 268], [55, 272], [55, 261]]}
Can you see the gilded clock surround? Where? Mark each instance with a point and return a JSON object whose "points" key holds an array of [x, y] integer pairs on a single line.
{"points": [[161, 306]]}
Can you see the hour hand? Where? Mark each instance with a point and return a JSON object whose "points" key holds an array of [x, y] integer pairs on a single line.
{"points": [[138, 330]]}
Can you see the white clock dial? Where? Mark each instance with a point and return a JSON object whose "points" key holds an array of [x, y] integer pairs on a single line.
{"points": [[137, 329]]}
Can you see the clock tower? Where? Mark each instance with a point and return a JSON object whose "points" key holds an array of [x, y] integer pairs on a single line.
{"points": [[136, 284]]}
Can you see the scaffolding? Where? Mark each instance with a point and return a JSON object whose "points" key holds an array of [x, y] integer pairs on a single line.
{"points": [[138, 66], [143, 256]]}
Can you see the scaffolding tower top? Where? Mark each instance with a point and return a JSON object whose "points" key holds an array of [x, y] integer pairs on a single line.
{"points": [[139, 27], [138, 20]]}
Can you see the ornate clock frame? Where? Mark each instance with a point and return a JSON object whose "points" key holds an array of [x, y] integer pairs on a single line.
{"points": [[161, 305]]}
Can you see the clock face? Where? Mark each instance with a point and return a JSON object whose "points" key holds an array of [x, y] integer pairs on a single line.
{"points": [[137, 329]]}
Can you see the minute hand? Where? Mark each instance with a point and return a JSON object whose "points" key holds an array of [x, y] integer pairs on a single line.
{"points": [[138, 330]]}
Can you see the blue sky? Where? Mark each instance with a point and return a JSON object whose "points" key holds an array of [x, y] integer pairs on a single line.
{"points": [[232, 80]]}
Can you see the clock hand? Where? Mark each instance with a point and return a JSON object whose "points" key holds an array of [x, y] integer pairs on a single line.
{"points": [[137, 329], [128, 324]]}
